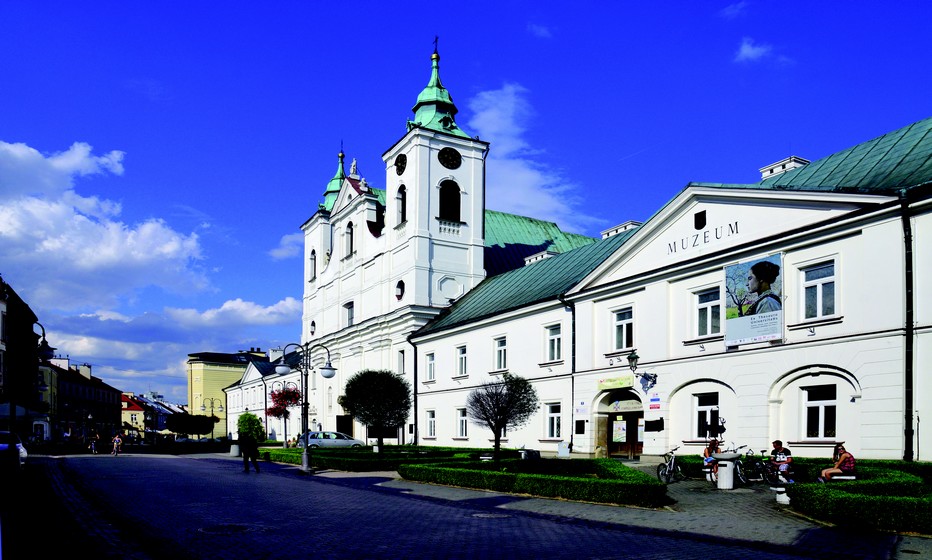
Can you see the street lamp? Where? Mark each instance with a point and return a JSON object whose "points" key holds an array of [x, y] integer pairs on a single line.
{"points": [[204, 409], [650, 379], [305, 366]]}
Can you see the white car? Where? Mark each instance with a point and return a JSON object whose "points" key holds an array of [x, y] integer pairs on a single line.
{"points": [[330, 439], [12, 453]]}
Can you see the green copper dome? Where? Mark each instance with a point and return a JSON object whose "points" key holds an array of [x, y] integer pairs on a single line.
{"points": [[333, 187], [435, 109]]}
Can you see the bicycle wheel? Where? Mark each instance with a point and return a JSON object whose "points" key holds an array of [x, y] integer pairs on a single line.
{"points": [[678, 473], [740, 475], [662, 474], [772, 476]]}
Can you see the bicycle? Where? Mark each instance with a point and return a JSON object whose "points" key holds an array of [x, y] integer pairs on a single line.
{"points": [[670, 470]]}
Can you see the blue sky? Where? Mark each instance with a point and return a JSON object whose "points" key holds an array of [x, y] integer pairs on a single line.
{"points": [[157, 159]]}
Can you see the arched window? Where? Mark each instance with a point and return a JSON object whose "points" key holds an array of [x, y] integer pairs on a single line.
{"points": [[449, 201], [349, 239], [312, 265], [402, 201]]}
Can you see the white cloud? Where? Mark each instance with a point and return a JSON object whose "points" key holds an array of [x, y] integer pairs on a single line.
{"points": [[733, 11], [237, 312], [288, 246], [25, 171], [749, 51], [516, 181], [73, 252], [540, 31]]}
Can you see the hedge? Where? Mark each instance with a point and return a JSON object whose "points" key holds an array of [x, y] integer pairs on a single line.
{"points": [[588, 480]]}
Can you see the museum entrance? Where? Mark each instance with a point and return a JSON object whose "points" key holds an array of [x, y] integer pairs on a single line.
{"points": [[621, 425]]}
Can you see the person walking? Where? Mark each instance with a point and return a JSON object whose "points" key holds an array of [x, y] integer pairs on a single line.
{"points": [[250, 450]]}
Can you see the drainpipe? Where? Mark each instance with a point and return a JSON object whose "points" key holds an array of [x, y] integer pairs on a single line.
{"points": [[910, 328], [572, 308], [414, 388]]}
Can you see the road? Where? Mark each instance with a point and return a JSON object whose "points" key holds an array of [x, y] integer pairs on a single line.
{"points": [[151, 507]]}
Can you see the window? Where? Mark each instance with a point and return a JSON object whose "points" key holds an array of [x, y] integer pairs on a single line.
{"points": [[449, 201], [501, 353], [431, 423], [402, 201], [819, 289], [706, 415], [554, 343], [312, 265], [348, 239], [708, 312], [349, 313], [461, 360], [461, 423], [401, 362], [431, 365], [820, 413], [624, 329], [553, 420]]}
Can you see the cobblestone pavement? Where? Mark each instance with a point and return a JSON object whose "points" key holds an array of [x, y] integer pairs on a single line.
{"points": [[151, 507]]}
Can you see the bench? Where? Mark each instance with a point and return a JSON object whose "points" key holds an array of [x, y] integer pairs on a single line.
{"points": [[843, 477]]}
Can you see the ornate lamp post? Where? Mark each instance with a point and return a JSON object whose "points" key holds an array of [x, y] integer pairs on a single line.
{"points": [[650, 379], [305, 366], [212, 400]]}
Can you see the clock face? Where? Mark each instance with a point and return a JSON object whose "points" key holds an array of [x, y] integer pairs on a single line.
{"points": [[400, 163], [450, 158]]}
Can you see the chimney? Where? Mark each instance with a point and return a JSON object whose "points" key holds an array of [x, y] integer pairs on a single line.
{"points": [[782, 166]]}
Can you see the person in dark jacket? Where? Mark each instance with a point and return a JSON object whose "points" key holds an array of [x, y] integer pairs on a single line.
{"points": [[249, 447]]}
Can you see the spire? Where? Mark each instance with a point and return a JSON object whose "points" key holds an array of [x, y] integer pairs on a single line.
{"points": [[333, 187], [434, 108]]}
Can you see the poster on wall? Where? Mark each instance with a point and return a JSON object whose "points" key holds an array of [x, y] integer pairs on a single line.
{"points": [[619, 431], [754, 301]]}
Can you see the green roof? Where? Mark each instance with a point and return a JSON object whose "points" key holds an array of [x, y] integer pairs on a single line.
{"points": [[897, 160], [434, 108], [334, 185], [510, 238], [534, 283]]}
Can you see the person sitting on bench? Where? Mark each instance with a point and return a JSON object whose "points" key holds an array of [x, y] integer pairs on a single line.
{"points": [[844, 464]]}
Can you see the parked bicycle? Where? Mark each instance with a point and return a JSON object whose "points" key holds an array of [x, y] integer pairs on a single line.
{"points": [[670, 470]]}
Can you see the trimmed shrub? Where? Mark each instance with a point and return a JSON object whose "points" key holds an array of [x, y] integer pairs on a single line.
{"points": [[588, 480]]}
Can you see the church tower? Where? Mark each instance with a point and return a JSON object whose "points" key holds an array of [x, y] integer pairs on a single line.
{"points": [[435, 201]]}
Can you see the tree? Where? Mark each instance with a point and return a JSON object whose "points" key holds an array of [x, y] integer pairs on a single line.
{"points": [[281, 400], [500, 404], [378, 398], [190, 424], [249, 424]]}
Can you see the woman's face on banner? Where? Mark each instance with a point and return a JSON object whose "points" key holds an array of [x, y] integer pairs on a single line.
{"points": [[753, 283]]}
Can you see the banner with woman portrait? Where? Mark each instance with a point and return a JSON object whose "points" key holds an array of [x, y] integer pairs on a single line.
{"points": [[754, 300]]}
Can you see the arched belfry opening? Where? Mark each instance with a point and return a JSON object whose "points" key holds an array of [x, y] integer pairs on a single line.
{"points": [[449, 201]]}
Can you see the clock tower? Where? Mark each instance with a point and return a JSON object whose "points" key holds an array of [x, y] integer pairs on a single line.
{"points": [[435, 201]]}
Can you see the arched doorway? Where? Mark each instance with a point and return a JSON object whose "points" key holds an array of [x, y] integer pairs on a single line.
{"points": [[620, 424]]}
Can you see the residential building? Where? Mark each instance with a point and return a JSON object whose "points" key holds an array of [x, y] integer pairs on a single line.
{"points": [[209, 373]]}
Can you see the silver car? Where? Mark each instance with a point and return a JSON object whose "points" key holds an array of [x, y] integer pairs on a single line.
{"points": [[330, 439], [12, 453]]}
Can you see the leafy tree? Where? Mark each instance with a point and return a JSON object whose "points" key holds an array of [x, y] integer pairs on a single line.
{"points": [[500, 404], [281, 400], [190, 424], [249, 424], [378, 398]]}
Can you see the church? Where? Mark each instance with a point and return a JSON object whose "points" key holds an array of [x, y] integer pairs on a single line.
{"points": [[783, 309]]}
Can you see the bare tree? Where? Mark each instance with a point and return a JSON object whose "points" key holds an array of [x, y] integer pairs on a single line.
{"points": [[500, 404]]}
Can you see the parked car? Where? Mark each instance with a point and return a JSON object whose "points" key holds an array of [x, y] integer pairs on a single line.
{"points": [[12, 453], [329, 439]]}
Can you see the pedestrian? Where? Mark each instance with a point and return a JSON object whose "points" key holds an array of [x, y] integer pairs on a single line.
{"points": [[844, 464], [250, 450], [117, 443], [782, 459]]}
